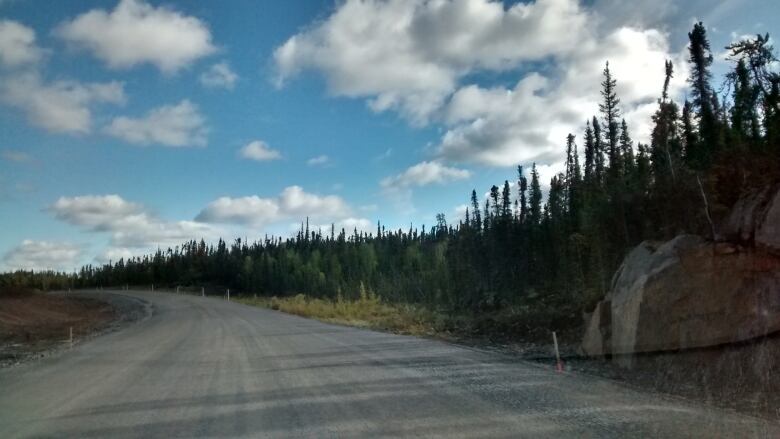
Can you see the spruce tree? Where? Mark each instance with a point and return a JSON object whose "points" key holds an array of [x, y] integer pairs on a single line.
{"points": [[689, 135], [626, 149], [610, 113], [703, 98], [535, 198], [496, 206], [522, 183], [475, 209], [506, 202], [598, 148], [590, 153], [744, 116]]}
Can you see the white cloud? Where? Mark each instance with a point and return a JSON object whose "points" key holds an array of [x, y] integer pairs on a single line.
{"points": [[114, 254], [505, 127], [349, 225], [459, 212], [409, 56], [423, 174], [292, 203], [43, 255], [179, 125], [243, 210], [146, 230], [62, 106], [17, 44], [320, 160], [413, 57], [137, 33], [259, 151], [219, 75], [129, 224], [98, 212]]}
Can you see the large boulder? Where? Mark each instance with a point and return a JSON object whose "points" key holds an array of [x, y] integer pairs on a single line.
{"points": [[755, 220], [690, 293], [768, 229]]}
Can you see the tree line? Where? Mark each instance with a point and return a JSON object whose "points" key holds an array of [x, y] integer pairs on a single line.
{"points": [[515, 249]]}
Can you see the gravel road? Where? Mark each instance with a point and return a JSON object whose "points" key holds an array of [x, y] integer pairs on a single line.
{"points": [[204, 367]]}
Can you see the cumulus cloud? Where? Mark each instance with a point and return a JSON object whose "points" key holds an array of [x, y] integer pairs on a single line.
{"points": [[180, 125], [219, 75], [409, 56], [98, 212], [61, 106], [130, 224], [423, 174], [17, 44], [135, 32], [43, 255], [414, 57], [459, 212], [349, 225], [259, 151], [292, 203], [113, 254], [504, 127], [320, 160]]}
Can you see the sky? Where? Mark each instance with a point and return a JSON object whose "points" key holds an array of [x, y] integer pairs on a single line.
{"points": [[132, 125]]}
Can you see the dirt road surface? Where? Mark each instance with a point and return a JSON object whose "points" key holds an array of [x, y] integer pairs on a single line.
{"points": [[205, 367]]}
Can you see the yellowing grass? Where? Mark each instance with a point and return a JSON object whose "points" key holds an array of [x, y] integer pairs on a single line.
{"points": [[366, 311]]}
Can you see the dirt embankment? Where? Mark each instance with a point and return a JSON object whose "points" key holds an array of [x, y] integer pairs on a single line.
{"points": [[33, 324]]}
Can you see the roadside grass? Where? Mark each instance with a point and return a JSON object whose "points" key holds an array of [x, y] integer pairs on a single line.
{"points": [[517, 324], [367, 311]]}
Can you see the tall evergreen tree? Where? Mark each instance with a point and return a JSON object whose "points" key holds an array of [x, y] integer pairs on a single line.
{"points": [[703, 97], [626, 148], [744, 115], [689, 135], [535, 198], [598, 148], [522, 183], [506, 202], [610, 113], [494, 198], [475, 209], [590, 153]]}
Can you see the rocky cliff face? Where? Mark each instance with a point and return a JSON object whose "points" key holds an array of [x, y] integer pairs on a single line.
{"points": [[692, 293]]}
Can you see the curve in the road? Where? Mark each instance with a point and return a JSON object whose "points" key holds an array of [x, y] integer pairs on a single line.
{"points": [[204, 367]]}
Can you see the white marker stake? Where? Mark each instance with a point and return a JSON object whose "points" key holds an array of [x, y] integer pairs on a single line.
{"points": [[228, 292], [558, 363], [202, 292], [177, 289], [152, 287], [71, 336]]}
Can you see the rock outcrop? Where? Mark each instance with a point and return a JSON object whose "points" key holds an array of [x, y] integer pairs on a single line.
{"points": [[755, 221], [691, 293]]}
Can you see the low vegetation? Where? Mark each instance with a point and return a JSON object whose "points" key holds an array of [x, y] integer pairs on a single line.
{"points": [[368, 310]]}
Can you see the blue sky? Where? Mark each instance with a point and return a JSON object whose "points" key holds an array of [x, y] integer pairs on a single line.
{"points": [[130, 125]]}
